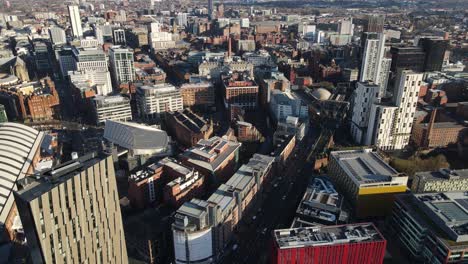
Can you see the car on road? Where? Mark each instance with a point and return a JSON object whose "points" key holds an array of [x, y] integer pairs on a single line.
{"points": [[234, 247], [264, 231], [276, 185], [254, 217], [283, 198]]}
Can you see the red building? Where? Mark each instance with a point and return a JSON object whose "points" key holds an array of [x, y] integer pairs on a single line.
{"points": [[353, 243]]}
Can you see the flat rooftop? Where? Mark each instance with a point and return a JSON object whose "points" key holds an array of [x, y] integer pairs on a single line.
{"points": [[367, 167], [32, 187], [444, 214], [321, 202], [326, 235], [442, 174]]}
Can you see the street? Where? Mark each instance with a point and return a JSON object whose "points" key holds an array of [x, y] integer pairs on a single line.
{"points": [[275, 211]]}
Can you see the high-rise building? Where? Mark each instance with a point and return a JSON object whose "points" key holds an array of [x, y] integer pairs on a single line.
{"points": [[390, 124], [57, 35], [411, 58], [3, 114], [431, 227], [346, 27], [67, 61], [435, 51], [182, 19], [364, 96], [71, 213], [75, 21], [121, 64], [90, 59], [98, 79], [366, 181], [352, 244], [119, 36], [116, 108], [375, 67], [211, 9], [155, 100], [42, 51], [374, 23]]}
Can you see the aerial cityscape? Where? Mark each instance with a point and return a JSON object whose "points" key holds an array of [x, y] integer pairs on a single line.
{"points": [[234, 131]]}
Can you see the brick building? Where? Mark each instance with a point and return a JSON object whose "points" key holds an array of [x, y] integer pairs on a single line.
{"points": [[188, 128], [198, 94], [186, 183], [216, 158], [240, 89]]}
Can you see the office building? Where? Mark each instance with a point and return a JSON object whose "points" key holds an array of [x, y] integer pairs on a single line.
{"points": [[375, 67], [75, 21], [119, 36], [374, 23], [20, 150], [346, 27], [443, 180], [431, 227], [57, 36], [121, 64], [365, 94], [198, 94], [71, 213], [241, 90], [89, 42], [367, 182], [202, 228], [187, 127], [211, 9], [3, 114], [98, 79], [390, 124], [411, 58], [154, 101], [90, 59], [215, 158], [286, 104], [182, 19], [352, 243], [320, 205], [42, 51], [116, 108], [66, 60], [435, 52]]}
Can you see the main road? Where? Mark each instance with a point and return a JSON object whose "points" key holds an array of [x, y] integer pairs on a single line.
{"points": [[253, 238]]}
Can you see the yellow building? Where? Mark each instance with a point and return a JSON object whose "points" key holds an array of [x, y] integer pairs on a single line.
{"points": [[366, 180]]}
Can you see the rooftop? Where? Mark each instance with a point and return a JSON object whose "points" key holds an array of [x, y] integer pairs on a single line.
{"points": [[210, 153], [32, 187], [326, 235], [135, 136], [445, 214], [321, 202], [190, 120], [367, 167], [18, 146], [442, 174]]}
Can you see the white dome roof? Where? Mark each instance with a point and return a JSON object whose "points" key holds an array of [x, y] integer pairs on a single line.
{"points": [[321, 94]]}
